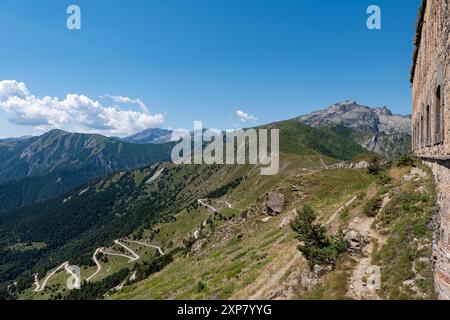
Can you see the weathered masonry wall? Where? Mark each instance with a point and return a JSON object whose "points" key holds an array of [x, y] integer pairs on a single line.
{"points": [[431, 87], [441, 244], [431, 121]]}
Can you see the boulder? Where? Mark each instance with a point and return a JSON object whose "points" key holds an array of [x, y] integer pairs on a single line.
{"points": [[275, 203], [265, 219], [320, 271], [277, 294], [356, 242], [415, 175], [198, 245]]}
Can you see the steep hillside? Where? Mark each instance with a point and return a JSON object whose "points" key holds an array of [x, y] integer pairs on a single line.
{"points": [[201, 232], [59, 150], [71, 226], [380, 130], [300, 139], [244, 253], [226, 245]]}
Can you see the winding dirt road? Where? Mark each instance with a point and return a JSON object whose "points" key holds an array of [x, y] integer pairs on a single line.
{"points": [[97, 263], [146, 245], [134, 255], [40, 288], [201, 201]]}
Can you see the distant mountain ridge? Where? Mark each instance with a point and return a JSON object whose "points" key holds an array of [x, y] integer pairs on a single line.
{"points": [[59, 150], [41, 167], [15, 139], [380, 130], [153, 135]]}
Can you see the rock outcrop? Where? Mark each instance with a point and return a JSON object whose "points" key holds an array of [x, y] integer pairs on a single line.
{"points": [[381, 131], [275, 203], [199, 245], [356, 242]]}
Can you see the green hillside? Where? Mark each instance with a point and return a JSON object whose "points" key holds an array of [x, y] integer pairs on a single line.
{"points": [[39, 168], [301, 139], [202, 232]]}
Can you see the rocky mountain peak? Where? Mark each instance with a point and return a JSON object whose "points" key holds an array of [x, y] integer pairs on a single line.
{"points": [[384, 110], [382, 131], [359, 117]]}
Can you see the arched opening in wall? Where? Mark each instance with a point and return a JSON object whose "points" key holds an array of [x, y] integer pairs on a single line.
{"points": [[428, 129], [438, 129], [422, 135], [418, 134], [415, 135]]}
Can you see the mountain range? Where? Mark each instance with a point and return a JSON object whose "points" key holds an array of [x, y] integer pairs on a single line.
{"points": [[36, 168], [140, 227], [379, 130], [154, 135]]}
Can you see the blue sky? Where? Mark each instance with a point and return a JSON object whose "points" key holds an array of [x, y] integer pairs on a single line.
{"points": [[204, 60]]}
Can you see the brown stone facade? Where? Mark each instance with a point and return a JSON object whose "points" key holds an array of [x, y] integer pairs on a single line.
{"points": [[431, 121]]}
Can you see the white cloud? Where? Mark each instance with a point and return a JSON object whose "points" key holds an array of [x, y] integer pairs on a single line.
{"points": [[127, 100], [244, 117], [75, 112]]}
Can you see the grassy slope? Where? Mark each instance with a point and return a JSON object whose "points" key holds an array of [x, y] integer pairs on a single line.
{"points": [[407, 221], [265, 256], [250, 259], [406, 226], [231, 267], [297, 138]]}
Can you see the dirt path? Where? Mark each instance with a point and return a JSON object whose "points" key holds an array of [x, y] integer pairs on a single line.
{"points": [[323, 164], [229, 205], [40, 288], [358, 288], [97, 263], [155, 176], [134, 256], [333, 221], [146, 245], [201, 201]]}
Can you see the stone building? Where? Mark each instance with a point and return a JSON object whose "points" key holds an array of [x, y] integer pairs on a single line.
{"points": [[430, 77]]}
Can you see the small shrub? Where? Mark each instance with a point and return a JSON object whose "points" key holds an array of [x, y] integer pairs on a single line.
{"points": [[317, 247], [405, 161], [200, 287], [425, 197], [374, 167], [372, 207], [384, 179]]}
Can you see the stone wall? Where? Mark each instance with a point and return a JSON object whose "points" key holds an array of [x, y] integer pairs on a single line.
{"points": [[441, 243], [431, 124], [431, 137]]}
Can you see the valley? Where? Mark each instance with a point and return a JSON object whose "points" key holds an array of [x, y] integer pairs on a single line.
{"points": [[246, 254], [166, 231]]}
